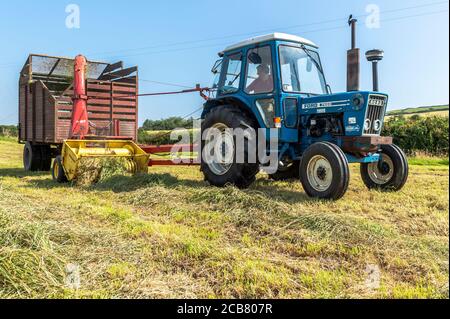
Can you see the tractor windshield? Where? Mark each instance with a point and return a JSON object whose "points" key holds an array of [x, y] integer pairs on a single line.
{"points": [[301, 71]]}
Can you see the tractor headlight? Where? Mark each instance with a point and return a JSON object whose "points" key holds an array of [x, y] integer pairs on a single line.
{"points": [[377, 126], [357, 101], [367, 124]]}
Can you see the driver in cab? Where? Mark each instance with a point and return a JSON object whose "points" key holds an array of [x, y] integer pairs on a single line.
{"points": [[264, 81]]}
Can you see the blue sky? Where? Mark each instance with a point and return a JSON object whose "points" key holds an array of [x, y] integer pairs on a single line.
{"points": [[178, 41]]}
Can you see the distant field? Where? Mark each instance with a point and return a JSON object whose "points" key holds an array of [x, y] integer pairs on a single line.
{"points": [[440, 110], [170, 235]]}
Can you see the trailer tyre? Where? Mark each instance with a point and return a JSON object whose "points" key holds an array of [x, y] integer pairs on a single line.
{"points": [[32, 158], [46, 158], [58, 173], [390, 173], [221, 174], [324, 171], [290, 172]]}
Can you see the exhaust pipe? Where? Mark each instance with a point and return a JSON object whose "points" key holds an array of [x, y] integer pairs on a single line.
{"points": [[375, 56], [353, 60]]}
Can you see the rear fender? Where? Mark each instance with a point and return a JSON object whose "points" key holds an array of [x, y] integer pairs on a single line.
{"points": [[246, 108]]}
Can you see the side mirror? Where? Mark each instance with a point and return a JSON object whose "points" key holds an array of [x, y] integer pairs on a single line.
{"points": [[329, 89], [215, 68]]}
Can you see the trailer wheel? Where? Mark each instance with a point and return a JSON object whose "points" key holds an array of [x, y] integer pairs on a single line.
{"points": [[227, 172], [292, 171], [31, 158], [324, 171], [58, 173], [390, 173], [46, 158]]}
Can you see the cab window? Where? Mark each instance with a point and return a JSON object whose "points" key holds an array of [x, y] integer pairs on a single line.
{"points": [[259, 77], [266, 108], [231, 80], [301, 71]]}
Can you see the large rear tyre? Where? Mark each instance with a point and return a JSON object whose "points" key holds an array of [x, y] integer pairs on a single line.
{"points": [[324, 171], [229, 171], [32, 158], [390, 173], [58, 173], [291, 171]]}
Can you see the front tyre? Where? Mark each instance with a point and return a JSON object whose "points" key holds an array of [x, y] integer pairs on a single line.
{"points": [[390, 173], [324, 171]]}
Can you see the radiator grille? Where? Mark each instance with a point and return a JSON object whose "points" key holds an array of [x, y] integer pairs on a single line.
{"points": [[375, 114]]}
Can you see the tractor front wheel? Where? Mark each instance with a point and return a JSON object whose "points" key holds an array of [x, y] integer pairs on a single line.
{"points": [[324, 171], [389, 173], [58, 173]]}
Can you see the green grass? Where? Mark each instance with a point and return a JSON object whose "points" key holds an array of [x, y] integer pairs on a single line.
{"points": [[8, 139], [429, 161], [420, 110], [170, 235]]}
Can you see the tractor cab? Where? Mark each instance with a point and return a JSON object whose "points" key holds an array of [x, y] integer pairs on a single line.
{"points": [[269, 74]]}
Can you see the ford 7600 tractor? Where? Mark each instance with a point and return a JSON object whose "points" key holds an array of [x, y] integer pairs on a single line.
{"points": [[277, 82]]}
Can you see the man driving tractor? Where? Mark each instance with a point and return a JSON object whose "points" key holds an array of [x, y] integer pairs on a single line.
{"points": [[264, 82]]}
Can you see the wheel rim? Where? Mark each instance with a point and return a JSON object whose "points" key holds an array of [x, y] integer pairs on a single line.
{"points": [[320, 173], [222, 151], [56, 169], [381, 172]]}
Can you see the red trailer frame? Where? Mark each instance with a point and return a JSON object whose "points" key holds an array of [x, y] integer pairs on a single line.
{"points": [[153, 149]]}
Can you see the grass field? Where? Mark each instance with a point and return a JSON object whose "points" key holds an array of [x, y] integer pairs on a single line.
{"points": [[439, 110], [169, 235]]}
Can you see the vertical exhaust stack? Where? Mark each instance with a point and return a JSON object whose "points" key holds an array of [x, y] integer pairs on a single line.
{"points": [[353, 60], [375, 56]]}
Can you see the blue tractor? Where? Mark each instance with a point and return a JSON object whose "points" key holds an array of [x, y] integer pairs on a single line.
{"points": [[277, 82]]}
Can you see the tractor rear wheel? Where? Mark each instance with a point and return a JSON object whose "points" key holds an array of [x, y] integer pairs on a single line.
{"points": [[32, 157], [291, 171], [324, 171], [219, 152], [389, 173], [58, 173]]}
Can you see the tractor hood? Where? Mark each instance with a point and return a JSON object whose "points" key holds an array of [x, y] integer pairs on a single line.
{"points": [[363, 111]]}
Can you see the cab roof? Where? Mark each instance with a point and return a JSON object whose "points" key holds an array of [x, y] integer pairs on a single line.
{"points": [[270, 37]]}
